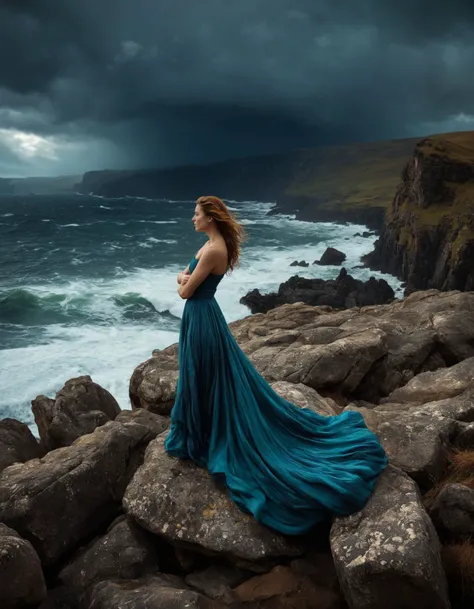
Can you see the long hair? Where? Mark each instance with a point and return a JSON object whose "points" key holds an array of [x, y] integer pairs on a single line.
{"points": [[227, 225]]}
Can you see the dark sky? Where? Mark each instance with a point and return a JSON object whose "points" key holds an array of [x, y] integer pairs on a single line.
{"points": [[92, 84]]}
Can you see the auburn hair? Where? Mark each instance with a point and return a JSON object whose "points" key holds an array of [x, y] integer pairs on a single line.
{"points": [[228, 226]]}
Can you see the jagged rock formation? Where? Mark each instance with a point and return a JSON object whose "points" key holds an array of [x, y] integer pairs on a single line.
{"points": [[428, 236], [114, 521], [340, 293], [331, 256]]}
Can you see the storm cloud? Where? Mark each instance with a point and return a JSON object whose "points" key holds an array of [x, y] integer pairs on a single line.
{"points": [[112, 83]]}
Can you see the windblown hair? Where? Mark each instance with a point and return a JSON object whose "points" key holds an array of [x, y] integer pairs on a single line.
{"points": [[230, 229]]}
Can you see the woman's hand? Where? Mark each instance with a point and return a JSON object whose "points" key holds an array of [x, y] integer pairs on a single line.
{"points": [[182, 278]]}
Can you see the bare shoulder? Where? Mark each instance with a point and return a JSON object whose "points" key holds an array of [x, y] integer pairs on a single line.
{"points": [[217, 255]]}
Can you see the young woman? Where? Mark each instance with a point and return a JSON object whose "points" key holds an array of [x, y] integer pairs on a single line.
{"points": [[288, 467]]}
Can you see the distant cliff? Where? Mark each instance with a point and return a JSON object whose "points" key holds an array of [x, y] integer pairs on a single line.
{"points": [[353, 183], [428, 236], [39, 186]]}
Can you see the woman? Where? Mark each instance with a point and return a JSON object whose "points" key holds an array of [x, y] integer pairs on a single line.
{"points": [[290, 468]]}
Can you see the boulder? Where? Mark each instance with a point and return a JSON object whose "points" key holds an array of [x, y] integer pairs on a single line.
{"points": [[305, 397], [67, 496], [153, 383], [418, 438], [151, 592], [283, 588], [182, 503], [331, 256], [80, 406], [17, 443], [453, 510], [435, 385], [388, 554], [217, 582], [21, 577], [125, 552]]}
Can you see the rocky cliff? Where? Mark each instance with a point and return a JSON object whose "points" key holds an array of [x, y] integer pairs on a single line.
{"points": [[428, 235]]}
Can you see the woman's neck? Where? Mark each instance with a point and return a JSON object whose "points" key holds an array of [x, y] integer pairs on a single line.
{"points": [[214, 236]]}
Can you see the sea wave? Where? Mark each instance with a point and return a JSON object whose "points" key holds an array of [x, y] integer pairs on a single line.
{"points": [[29, 308]]}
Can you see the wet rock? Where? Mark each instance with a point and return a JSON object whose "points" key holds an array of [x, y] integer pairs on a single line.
{"points": [[331, 256]]}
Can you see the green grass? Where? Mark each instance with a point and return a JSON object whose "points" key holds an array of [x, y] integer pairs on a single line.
{"points": [[357, 175]]}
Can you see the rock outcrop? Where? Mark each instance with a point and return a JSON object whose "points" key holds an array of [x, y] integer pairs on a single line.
{"points": [[117, 522], [68, 495], [180, 502], [22, 581], [17, 443], [361, 353], [80, 406], [344, 292], [331, 256], [391, 539], [428, 235]]}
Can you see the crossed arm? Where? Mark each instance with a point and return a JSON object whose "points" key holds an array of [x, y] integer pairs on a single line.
{"points": [[190, 282], [183, 276]]}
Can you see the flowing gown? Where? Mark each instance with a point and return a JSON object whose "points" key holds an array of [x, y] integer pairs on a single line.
{"points": [[287, 466]]}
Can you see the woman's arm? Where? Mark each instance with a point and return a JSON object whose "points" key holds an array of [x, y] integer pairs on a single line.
{"points": [[205, 266], [181, 274]]}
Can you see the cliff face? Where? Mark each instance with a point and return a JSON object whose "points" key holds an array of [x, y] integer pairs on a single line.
{"points": [[428, 235]]}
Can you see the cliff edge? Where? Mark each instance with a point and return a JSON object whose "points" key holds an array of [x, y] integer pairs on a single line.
{"points": [[428, 235]]}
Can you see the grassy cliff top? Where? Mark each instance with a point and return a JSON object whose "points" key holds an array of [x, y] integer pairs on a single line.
{"points": [[458, 147], [354, 175], [456, 214]]}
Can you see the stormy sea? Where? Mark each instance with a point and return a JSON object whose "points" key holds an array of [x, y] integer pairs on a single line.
{"points": [[88, 285]]}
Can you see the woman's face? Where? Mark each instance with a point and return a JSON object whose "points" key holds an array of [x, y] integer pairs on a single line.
{"points": [[200, 220]]}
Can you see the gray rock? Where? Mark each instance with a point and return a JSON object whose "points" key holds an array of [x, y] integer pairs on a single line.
{"points": [[125, 552], [416, 438], [305, 397], [453, 510], [388, 554], [217, 582], [80, 406], [153, 383], [437, 385], [21, 577], [17, 443], [181, 502], [68, 495], [365, 353], [152, 592]]}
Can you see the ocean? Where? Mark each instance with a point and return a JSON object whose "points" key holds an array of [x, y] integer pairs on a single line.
{"points": [[88, 284]]}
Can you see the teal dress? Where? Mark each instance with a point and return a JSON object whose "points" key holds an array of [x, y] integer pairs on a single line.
{"points": [[289, 467]]}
